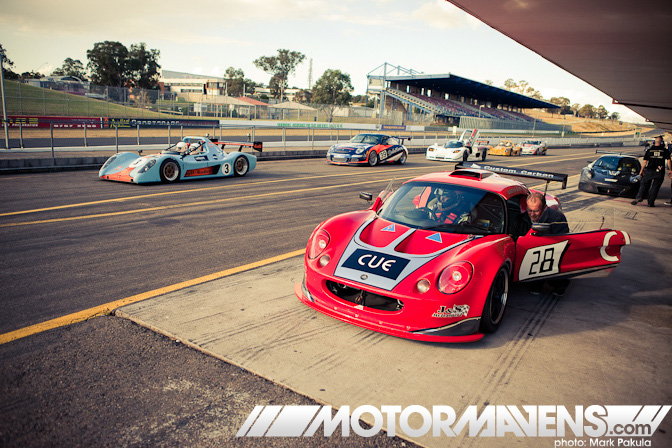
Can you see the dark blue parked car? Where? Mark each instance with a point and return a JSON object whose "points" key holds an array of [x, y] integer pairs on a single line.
{"points": [[612, 173]]}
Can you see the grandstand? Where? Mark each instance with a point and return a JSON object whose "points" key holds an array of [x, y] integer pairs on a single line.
{"points": [[452, 100]]}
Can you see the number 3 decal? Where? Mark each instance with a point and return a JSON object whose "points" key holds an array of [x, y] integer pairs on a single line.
{"points": [[542, 261], [226, 168]]}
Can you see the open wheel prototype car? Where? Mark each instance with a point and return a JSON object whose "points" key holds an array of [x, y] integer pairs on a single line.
{"points": [[192, 158]]}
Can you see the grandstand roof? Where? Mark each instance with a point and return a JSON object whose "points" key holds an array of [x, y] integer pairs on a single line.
{"points": [[458, 85]]}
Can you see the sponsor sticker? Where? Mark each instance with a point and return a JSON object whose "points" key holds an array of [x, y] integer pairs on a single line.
{"points": [[384, 265], [455, 311]]}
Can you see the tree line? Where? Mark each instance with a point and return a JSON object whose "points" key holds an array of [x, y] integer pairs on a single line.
{"points": [[566, 106], [113, 64]]}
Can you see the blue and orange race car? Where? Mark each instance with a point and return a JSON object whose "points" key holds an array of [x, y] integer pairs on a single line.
{"points": [[192, 158], [368, 149]]}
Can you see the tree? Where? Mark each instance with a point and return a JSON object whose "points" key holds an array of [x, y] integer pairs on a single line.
{"points": [[71, 67], [331, 90], [112, 64], [563, 103], [237, 84], [333, 87], [489, 82], [602, 112], [615, 116], [107, 64], [142, 67], [31, 75], [510, 84], [575, 109], [303, 96], [7, 65], [587, 111], [280, 67]]}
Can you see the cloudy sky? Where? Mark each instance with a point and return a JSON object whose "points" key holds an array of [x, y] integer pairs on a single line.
{"points": [[355, 36]]}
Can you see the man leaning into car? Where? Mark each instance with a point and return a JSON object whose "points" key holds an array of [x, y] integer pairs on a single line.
{"points": [[539, 212]]}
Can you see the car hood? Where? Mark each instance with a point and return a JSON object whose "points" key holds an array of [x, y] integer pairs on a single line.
{"points": [[382, 253], [350, 147]]}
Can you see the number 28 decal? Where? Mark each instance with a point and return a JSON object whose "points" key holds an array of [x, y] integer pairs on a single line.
{"points": [[542, 261]]}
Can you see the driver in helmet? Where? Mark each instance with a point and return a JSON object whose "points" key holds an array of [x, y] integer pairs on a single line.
{"points": [[195, 148], [450, 206], [182, 146]]}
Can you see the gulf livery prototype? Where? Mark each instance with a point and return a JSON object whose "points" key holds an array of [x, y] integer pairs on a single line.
{"points": [[369, 149], [192, 158], [433, 260]]}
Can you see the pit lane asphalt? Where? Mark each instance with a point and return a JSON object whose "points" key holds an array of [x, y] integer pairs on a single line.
{"points": [[71, 265]]}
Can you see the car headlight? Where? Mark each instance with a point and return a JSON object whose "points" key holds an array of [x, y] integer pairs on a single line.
{"points": [[150, 163], [317, 245], [360, 150], [110, 160], [455, 277], [331, 149], [589, 174]]}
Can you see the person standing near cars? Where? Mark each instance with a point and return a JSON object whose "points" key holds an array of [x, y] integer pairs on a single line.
{"points": [[653, 171]]}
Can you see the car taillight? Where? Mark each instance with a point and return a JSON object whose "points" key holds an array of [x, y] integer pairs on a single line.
{"points": [[318, 244], [455, 277]]}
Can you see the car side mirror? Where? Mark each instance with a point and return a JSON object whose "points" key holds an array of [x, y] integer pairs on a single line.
{"points": [[541, 228], [589, 162], [368, 197]]}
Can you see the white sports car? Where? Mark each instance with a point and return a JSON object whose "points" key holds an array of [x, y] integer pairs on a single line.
{"points": [[533, 147], [455, 151]]}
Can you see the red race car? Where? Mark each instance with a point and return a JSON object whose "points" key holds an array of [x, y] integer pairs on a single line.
{"points": [[413, 269]]}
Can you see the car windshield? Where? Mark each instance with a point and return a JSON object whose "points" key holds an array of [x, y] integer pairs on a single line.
{"points": [[452, 144], [370, 139], [445, 208], [608, 162], [626, 165]]}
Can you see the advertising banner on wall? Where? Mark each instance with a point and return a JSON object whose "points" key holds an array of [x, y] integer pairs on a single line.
{"points": [[24, 121]]}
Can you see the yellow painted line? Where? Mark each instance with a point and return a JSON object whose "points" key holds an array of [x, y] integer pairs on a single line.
{"points": [[196, 190], [107, 308], [166, 193], [192, 204]]}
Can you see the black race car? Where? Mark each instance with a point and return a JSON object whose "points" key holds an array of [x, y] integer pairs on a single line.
{"points": [[613, 173]]}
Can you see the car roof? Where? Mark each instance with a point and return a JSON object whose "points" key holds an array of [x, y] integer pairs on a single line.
{"points": [[619, 155], [373, 133], [476, 178]]}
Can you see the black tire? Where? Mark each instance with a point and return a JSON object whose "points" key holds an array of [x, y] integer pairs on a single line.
{"points": [[170, 171], [495, 304], [373, 158], [241, 166], [402, 159], [485, 154]]}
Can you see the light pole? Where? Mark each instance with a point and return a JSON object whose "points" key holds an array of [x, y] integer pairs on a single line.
{"points": [[4, 104]]}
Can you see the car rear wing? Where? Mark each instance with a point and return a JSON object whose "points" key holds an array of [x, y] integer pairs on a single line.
{"points": [[518, 172], [257, 146], [619, 153]]}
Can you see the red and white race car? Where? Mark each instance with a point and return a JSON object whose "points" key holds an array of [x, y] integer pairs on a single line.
{"points": [[409, 268]]}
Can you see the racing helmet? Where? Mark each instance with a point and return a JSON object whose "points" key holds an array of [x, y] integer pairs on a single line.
{"points": [[194, 146], [446, 195], [181, 146]]}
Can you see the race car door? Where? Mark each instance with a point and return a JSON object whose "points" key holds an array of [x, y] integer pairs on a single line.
{"points": [[541, 256], [200, 164]]}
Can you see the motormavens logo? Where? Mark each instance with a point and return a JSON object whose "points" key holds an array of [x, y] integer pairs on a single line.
{"points": [[605, 425]]}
